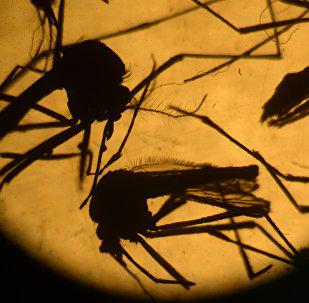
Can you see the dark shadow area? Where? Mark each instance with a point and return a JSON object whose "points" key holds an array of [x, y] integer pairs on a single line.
{"points": [[25, 280]]}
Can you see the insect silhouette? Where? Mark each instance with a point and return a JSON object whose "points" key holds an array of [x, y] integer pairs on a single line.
{"points": [[289, 102], [274, 172], [91, 74], [119, 207]]}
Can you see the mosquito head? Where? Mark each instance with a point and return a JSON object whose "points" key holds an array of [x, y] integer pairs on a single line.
{"points": [[120, 97]]}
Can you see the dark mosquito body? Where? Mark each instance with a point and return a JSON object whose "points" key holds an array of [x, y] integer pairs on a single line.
{"points": [[289, 102], [119, 204], [91, 73]]}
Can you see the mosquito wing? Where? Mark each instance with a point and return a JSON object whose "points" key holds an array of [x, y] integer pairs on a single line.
{"points": [[234, 195], [170, 176]]}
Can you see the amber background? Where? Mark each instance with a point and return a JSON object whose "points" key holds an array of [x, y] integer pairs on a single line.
{"points": [[39, 210]]}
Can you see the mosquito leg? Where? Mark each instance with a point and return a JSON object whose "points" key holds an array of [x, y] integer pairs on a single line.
{"points": [[254, 28], [208, 219], [134, 276], [35, 153], [144, 271], [273, 172], [15, 75], [14, 112], [9, 155], [251, 274], [42, 109], [84, 149], [44, 125], [169, 206], [297, 114], [276, 228], [168, 267], [300, 3], [246, 54], [215, 230], [149, 24]]}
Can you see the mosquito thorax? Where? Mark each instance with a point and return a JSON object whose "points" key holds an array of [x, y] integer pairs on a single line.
{"points": [[119, 206], [92, 75]]}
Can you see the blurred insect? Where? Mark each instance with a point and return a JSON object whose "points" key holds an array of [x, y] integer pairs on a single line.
{"points": [[275, 173], [119, 206], [289, 102]]}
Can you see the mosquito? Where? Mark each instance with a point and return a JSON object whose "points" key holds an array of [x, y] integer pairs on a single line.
{"points": [[82, 72], [119, 207]]}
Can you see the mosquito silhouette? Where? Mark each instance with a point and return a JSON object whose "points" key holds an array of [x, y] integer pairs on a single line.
{"points": [[119, 207], [274, 172], [289, 102]]}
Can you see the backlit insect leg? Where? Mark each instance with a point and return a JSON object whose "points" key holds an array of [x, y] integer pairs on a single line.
{"points": [[172, 203], [215, 230], [50, 156], [35, 153], [231, 214], [145, 271], [65, 121], [255, 28], [300, 3], [250, 272]]}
